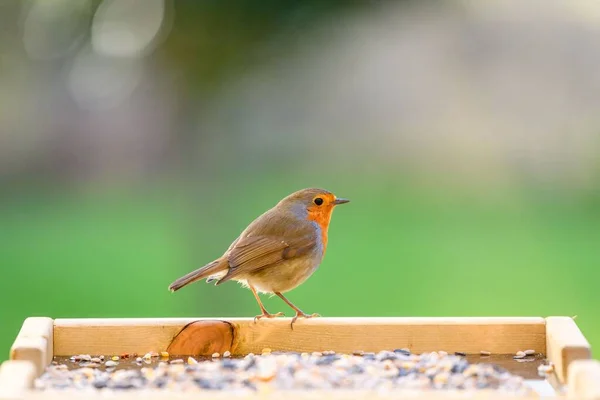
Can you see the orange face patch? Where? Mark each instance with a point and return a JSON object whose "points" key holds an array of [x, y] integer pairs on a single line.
{"points": [[320, 211]]}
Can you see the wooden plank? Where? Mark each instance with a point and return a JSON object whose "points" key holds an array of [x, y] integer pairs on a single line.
{"points": [[34, 331], [469, 335], [16, 378], [565, 343], [500, 335], [115, 335], [584, 380], [32, 349]]}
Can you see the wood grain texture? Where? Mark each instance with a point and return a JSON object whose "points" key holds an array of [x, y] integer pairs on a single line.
{"points": [[35, 342], [565, 343], [584, 380], [500, 335], [16, 378], [469, 335], [115, 335], [203, 338]]}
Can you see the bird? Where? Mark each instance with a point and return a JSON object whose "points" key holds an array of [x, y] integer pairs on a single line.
{"points": [[276, 252]]}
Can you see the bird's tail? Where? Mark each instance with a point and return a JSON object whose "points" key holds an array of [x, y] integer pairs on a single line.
{"points": [[212, 268]]}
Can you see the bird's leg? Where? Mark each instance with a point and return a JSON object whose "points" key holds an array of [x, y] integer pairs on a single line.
{"points": [[299, 312], [265, 313]]}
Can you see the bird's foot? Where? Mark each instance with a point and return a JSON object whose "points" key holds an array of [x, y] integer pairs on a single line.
{"points": [[268, 315], [303, 315]]}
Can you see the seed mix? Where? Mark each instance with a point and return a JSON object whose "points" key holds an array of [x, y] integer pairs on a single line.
{"points": [[386, 370]]}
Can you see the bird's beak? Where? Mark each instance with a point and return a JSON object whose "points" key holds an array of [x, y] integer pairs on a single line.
{"points": [[340, 201]]}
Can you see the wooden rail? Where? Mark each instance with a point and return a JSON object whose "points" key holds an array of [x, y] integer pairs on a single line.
{"points": [[565, 344], [242, 336]]}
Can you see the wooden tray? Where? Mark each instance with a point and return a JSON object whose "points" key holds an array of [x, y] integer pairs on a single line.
{"points": [[558, 338]]}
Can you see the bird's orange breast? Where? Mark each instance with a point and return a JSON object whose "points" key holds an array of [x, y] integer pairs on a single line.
{"points": [[321, 217]]}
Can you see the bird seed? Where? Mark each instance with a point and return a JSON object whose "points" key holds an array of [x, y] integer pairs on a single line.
{"points": [[327, 370]]}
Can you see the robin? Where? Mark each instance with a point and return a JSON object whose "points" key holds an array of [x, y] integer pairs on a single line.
{"points": [[278, 251]]}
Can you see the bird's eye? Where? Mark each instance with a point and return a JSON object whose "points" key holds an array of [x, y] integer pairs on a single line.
{"points": [[318, 201]]}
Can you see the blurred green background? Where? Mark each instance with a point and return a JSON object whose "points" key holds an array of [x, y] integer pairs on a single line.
{"points": [[138, 138]]}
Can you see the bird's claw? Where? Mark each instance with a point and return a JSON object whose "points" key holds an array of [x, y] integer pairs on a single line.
{"points": [[303, 315], [268, 315]]}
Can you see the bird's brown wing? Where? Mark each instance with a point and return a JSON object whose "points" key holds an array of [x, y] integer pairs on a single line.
{"points": [[253, 253]]}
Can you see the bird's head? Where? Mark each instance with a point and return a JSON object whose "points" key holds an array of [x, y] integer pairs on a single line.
{"points": [[315, 204]]}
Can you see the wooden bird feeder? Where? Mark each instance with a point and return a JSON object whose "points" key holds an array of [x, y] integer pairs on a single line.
{"points": [[559, 339]]}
